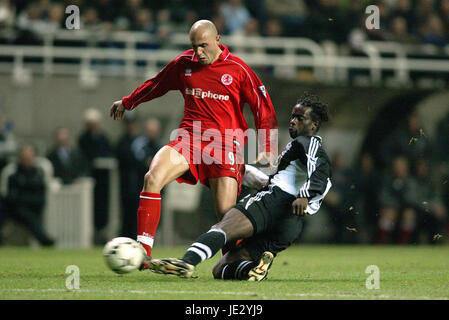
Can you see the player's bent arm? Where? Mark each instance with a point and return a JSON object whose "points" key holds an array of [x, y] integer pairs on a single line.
{"points": [[167, 79], [257, 97]]}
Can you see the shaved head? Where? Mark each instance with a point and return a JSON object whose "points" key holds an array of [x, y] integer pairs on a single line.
{"points": [[202, 26], [205, 41]]}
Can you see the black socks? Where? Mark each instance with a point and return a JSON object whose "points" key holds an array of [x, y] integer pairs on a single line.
{"points": [[205, 247]]}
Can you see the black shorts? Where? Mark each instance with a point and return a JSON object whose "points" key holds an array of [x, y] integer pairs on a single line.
{"points": [[275, 225]]}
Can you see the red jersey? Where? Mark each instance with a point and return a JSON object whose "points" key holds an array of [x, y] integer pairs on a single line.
{"points": [[214, 94]]}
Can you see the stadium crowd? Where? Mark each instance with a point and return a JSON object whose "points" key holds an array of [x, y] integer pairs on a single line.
{"points": [[341, 21], [72, 158], [398, 194], [405, 203]]}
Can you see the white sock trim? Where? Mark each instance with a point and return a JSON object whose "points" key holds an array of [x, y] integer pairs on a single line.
{"points": [[223, 271], [198, 252], [240, 267], [151, 198], [203, 247], [146, 240], [218, 230]]}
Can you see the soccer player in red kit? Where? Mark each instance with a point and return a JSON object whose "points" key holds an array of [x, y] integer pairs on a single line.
{"points": [[215, 85]]}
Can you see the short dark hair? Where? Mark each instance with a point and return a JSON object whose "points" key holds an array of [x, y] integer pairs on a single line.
{"points": [[319, 111]]}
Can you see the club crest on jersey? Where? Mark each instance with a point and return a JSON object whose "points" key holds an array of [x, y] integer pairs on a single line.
{"points": [[264, 92], [226, 79], [188, 72]]}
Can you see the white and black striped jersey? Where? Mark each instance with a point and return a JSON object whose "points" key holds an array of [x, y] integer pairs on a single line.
{"points": [[304, 170]]}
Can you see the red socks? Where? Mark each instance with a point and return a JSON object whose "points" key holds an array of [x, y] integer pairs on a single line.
{"points": [[148, 216]]}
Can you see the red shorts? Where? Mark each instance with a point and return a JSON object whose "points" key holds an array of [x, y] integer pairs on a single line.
{"points": [[205, 163]]}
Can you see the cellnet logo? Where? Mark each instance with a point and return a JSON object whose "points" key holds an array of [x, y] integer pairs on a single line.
{"points": [[200, 94]]}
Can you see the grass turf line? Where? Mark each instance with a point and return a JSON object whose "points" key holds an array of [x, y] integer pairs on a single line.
{"points": [[301, 272]]}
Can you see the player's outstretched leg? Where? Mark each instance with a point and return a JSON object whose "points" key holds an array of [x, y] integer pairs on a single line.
{"points": [[206, 246], [167, 165], [234, 225]]}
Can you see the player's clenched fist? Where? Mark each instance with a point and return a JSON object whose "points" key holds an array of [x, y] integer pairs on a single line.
{"points": [[117, 110]]}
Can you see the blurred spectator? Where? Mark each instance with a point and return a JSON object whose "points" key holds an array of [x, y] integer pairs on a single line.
{"points": [[56, 18], [442, 157], [320, 20], [130, 10], [352, 18], [31, 23], [8, 145], [404, 10], [366, 195], [442, 140], [399, 197], [7, 15], [339, 202], [399, 31], [26, 194], [432, 31], [252, 28], [199, 8], [164, 27], [90, 20], [68, 163], [324, 21], [444, 14], [273, 28], [291, 14], [257, 9], [424, 9], [408, 139], [42, 18], [107, 10], [235, 14], [146, 146], [143, 21], [131, 171], [431, 212], [93, 141], [190, 17], [94, 144]]}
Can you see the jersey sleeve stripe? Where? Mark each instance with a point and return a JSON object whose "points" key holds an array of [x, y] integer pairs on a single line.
{"points": [[311, 165], [313, 147]]}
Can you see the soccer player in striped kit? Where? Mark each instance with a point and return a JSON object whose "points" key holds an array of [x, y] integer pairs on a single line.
{"points": [[270, 220], [215, 85]]}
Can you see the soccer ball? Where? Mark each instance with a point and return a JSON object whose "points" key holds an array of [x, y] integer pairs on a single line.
{"points": [[123, 255]]}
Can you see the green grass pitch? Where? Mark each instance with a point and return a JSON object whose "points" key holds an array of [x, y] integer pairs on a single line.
{"points": [[300, 272]]}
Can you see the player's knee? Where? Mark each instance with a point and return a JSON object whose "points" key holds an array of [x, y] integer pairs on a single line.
{"points": [[152, 181]]}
